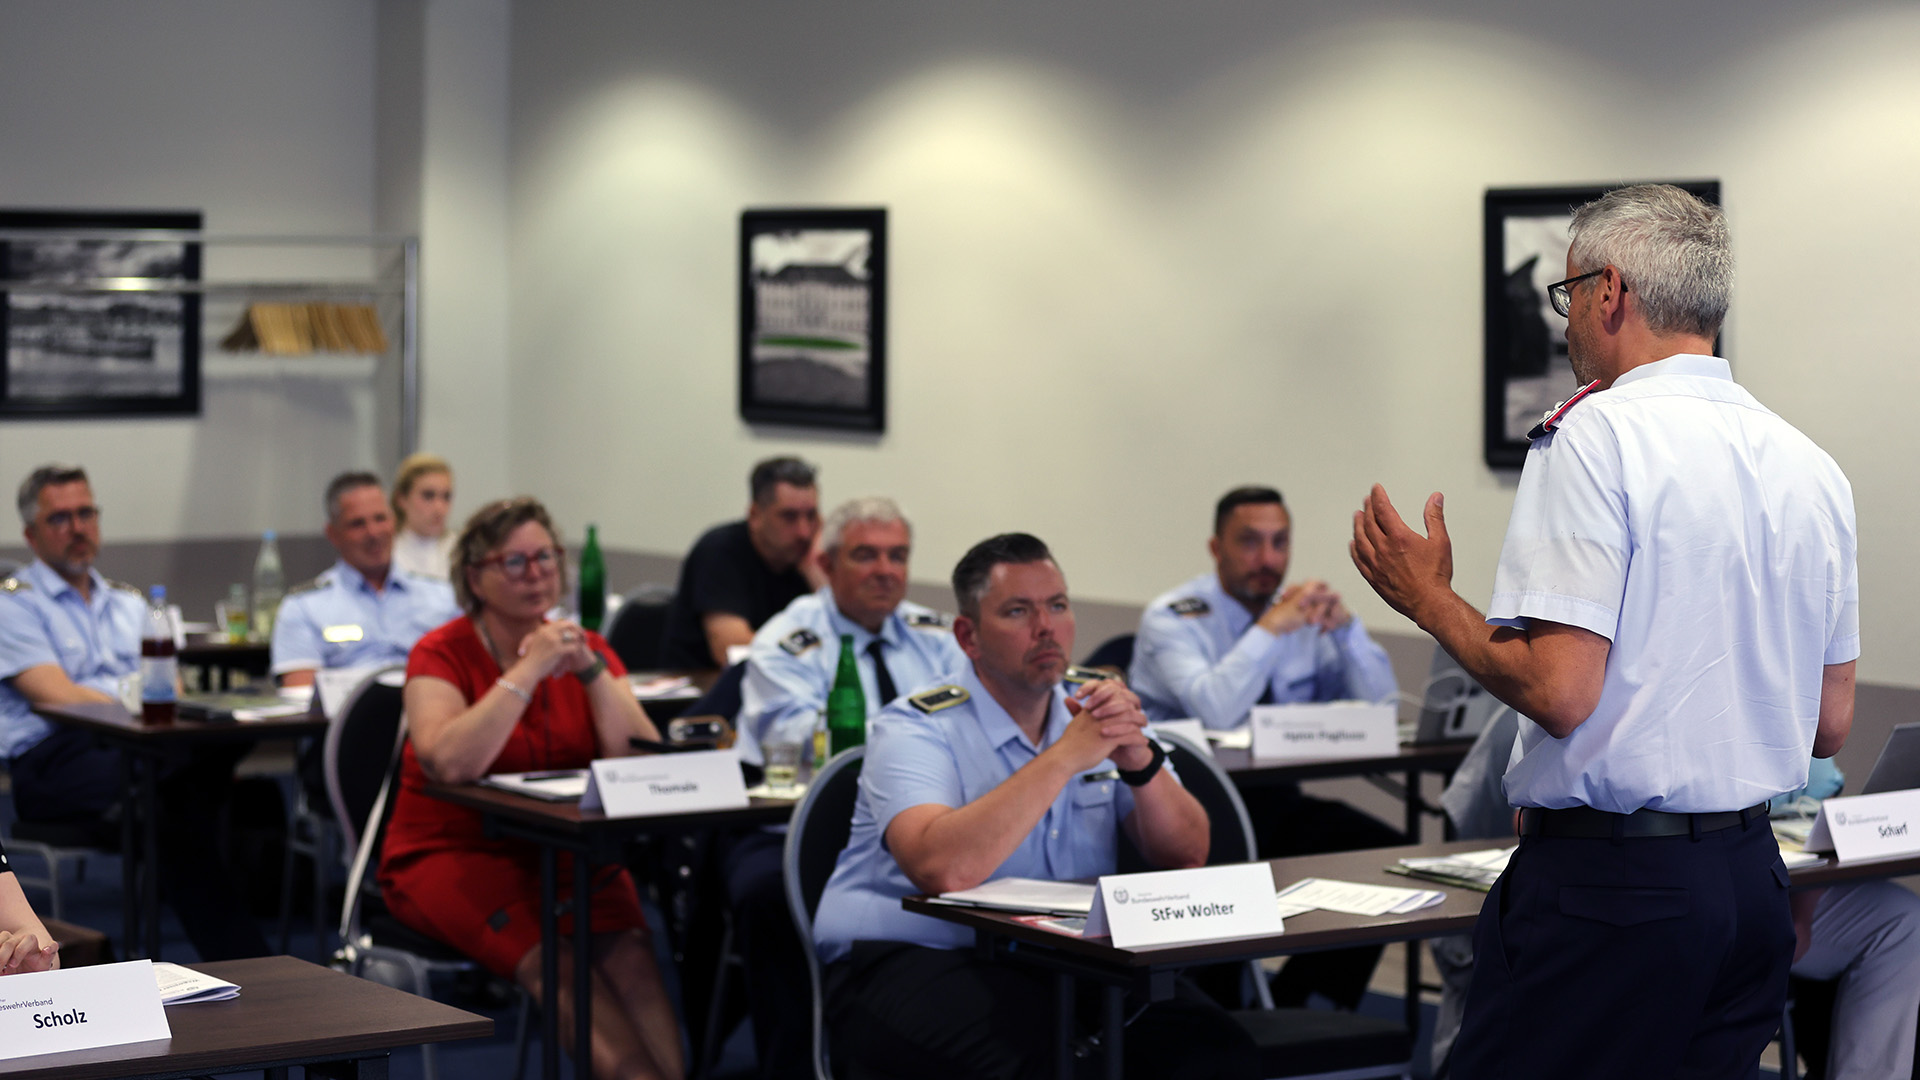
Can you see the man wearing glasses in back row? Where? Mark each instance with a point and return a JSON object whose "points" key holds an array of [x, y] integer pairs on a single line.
{"points": [[69, 635]]}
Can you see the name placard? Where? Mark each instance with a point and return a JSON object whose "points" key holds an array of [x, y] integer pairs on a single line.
{"points": [[1868, 826], [1191, 730], [52, 1012], [665, 784], [1328, 729], [1177, 907]]}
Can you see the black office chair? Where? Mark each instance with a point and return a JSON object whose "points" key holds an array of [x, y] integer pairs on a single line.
{"points": [[637, 627], [1115, 652], [815, 838], [363, 771], [1295, 1044]]}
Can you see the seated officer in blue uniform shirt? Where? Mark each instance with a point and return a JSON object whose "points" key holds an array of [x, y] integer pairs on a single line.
{"points": [[897, 645], [1001, 773], [360, 610], [1233, 638], [68, 635]]}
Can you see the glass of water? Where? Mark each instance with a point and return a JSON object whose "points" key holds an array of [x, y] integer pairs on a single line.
{"points": [[783, 767]]}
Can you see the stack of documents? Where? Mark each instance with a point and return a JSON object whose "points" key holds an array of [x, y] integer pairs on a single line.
{"points": [[555, 785], [651, 686], [1028, 895], [1353, 898], [1468, 869], [184, 986]]}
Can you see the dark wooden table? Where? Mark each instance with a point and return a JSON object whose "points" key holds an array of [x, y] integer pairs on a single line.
{"points": [[1410, 761], [1151, 972], [218, 656], [289, 1013], [144, 750], [592, 837]]}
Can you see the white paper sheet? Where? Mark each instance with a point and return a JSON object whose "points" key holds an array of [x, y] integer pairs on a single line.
{"points": [[1025, 894], [1482, 866], [1240, 738], [184, 986], [1354, 898], [558, 785]]}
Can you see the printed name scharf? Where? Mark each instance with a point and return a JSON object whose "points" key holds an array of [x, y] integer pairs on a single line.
{"points": [[673, 789], [54, 1019], [1193, 911]]}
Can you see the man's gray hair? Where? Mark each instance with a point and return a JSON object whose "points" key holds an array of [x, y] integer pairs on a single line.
{"points": [[1672, 248], [338, 487], [868, 510], [40, 479]]}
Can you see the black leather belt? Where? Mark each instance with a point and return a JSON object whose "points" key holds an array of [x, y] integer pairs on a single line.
{"points": [[1584, 822]]}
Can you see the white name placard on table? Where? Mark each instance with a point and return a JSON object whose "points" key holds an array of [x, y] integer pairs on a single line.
{"points": [[1876, 826], [1176, 907], [52, 1012], [665, 784], [1328, 729], [1191, 730]]}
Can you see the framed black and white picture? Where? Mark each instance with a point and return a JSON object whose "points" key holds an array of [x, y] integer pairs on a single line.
{"points": [[96, 326], [813, 318], [1526, 369]]}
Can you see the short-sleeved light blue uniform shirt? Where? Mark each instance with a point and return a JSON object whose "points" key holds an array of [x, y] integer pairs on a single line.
{"points": [[1200, 654], [43, 620], [1714, 545], [338, 620], [950, 758], [796, 655]]}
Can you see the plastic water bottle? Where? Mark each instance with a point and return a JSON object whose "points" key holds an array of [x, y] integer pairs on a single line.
{"points": [[159, 666], [269, 584], [593, 581]]}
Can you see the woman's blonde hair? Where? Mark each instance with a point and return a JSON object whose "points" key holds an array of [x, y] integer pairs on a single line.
{"points": [[411, 470], [483, 534]]}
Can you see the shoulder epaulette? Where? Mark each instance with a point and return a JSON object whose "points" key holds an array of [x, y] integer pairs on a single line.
{"points": [[1552, 418], [1076, 675], [929, 620], [1190, 607], [307, 586], [124, 586], [11, 584], [940, 697], [798, 642]]}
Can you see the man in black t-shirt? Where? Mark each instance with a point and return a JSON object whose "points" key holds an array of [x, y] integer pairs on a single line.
{"points": [[743, 573]]}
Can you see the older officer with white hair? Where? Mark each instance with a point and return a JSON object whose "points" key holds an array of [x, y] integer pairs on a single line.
{"points": [[1676, 610]]}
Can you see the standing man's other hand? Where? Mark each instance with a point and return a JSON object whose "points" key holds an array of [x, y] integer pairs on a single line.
{"points": [[1404, 567]]}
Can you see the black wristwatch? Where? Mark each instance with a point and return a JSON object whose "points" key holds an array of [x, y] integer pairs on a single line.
{"points": [[1138, 777]]}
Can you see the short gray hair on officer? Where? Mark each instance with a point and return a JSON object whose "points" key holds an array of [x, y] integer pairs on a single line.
{"points": [[338, 487], [866, 510], [1672, 248], [39, 480]]}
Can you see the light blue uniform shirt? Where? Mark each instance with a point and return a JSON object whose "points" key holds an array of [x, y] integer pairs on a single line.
{"points": [[339, 620], [950, 758], [44, 621], [796, 655], [1200, 654], [1714, 546]]}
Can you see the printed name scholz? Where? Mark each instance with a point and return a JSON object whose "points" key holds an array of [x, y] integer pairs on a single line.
{"points": [[54, 1019]]}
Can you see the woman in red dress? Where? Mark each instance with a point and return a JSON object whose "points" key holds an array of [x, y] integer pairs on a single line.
{"points": [[504, 689]]}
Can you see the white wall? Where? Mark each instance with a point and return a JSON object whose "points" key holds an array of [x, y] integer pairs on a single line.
{"points": [[260, 114], [1145, 251]]}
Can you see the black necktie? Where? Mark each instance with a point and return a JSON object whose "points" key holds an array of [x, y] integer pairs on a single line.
{"points": [[881, 676]]}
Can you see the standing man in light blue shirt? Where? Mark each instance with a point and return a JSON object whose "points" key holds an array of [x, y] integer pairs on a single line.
{"points": [[1676, 611], [898, 645], [68, 635], [1240, 636], [999, 773], [360, 610]]}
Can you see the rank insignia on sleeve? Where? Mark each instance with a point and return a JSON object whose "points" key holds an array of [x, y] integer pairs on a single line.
{"points": [[940, 697], [929, 620], [1190, 607], [1551, 419], [798, 642], [12, 584], [1076, 675]]}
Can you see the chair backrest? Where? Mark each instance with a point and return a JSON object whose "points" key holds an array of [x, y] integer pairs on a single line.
{"points": [[639, 625], [723, 698], [816, 836], [361, 748], [1207, 782], [1115, 652]]}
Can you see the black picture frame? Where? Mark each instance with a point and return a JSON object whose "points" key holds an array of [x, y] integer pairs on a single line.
{"points": [[83, 351], [813, 317], [1525, 371]]}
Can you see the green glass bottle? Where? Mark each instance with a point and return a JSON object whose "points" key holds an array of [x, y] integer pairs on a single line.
{"points": [[846, 704], [593, 582]]}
